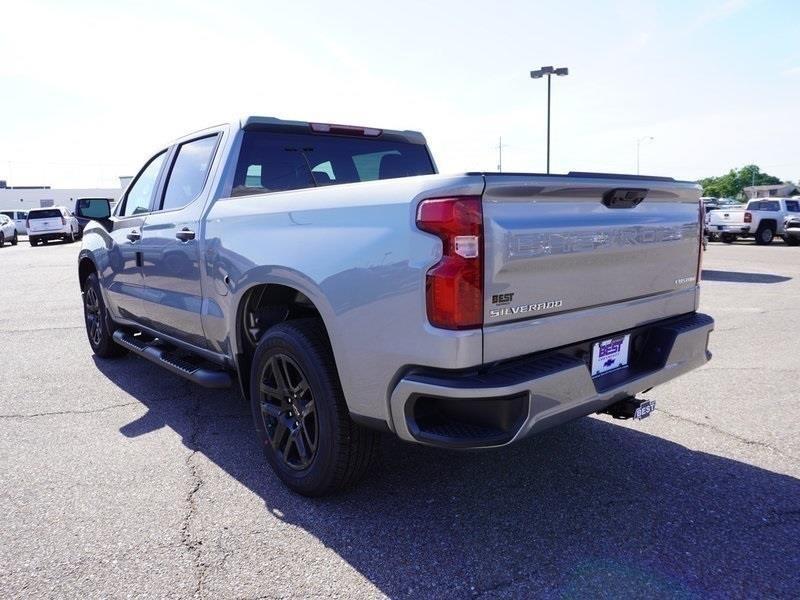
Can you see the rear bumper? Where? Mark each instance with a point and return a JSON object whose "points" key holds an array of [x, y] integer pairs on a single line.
{"points": [[516, 398], [48, 235], [737, 229]]}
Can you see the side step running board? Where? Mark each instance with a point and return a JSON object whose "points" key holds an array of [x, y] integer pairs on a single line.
{"points": [[210, 378]]}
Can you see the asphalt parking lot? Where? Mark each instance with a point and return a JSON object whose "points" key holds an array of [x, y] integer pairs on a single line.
{"points": [[120, 479]]}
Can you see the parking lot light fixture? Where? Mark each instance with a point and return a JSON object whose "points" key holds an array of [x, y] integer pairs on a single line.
{"points": [[538, 74]]}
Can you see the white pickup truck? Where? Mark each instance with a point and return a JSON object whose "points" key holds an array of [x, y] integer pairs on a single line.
{"points": [[761, 219]]}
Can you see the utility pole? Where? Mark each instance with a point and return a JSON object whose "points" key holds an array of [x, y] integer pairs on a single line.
{"points": [[500, 155], [638, 145], [538, 75]]}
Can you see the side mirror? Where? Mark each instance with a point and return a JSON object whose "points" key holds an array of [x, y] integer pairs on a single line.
{"points": [[98, 209]]}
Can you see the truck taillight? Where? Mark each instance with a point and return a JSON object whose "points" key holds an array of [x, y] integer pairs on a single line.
{"points": [[748, 217], [454, 285]]}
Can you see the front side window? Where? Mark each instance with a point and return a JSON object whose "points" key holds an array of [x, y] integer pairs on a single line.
{"points": [[189, 172], [137, 200], [793, 206], [272, 162]]}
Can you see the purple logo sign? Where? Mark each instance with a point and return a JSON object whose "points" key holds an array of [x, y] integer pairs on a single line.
{"points": [[611, 347]]}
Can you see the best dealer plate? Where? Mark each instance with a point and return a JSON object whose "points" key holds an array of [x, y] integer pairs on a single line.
{"points": [[610, 354]]}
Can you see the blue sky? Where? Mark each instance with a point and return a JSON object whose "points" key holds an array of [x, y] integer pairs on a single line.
{"points": [[90, 89]]}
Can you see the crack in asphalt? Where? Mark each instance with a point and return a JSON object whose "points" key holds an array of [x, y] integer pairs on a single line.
{"points": [[67, 412], [193, 546], [729, 434]]}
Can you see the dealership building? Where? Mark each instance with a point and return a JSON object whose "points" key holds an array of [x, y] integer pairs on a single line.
{"points": [[28, 197]]}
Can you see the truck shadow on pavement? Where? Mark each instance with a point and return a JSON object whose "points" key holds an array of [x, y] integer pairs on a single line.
{"points": [[590, 509], [742, 277]]}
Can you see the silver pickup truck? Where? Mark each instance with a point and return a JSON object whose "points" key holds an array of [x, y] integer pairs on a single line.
{"points": [[350, 289]]}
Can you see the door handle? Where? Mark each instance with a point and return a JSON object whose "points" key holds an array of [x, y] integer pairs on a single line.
{"points": [[134, 235], [185, 234]]}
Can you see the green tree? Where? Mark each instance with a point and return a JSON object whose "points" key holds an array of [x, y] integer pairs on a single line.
{"points": [[734, 181]]}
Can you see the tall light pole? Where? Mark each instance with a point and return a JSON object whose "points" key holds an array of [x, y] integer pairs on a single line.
{"points": [[538, 75], [638, 145]]}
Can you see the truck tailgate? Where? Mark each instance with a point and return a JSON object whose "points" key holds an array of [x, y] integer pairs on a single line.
{"points": [[571, 257]]}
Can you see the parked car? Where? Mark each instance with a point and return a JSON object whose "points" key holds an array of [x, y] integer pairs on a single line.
{"points": [[19, 217], [55, 223], [89, 209], [8, 231], [349, 288], [761, 219], [791, 230]]}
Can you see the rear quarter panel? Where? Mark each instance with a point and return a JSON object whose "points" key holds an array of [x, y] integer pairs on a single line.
{"points": [[355, 251]]}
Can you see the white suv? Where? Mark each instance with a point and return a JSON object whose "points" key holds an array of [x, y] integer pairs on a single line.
{"points": [[55, 223]]}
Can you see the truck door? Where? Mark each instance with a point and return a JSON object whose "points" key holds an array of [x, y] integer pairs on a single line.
{"points": [[173, 299], [123, 280]]}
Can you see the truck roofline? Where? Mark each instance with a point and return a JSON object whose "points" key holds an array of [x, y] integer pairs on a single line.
{"points": [[253, 122]]}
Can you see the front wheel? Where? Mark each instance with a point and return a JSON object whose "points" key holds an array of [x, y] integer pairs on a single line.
{"points": [[15, 239], [33, 241], [791, 240], [300, 413], [2, 239], [98, 323]]}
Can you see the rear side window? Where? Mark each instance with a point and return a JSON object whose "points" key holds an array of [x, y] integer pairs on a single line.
{"points": [[770, 205], [189, 172], [793, 206], [271, 162], [50, 213]]}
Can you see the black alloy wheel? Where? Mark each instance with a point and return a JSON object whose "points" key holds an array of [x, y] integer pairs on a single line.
{"points": [[288, 412], [94, 317]]}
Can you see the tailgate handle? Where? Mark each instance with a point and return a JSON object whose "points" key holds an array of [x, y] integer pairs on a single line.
{"points": [[624, 197]]}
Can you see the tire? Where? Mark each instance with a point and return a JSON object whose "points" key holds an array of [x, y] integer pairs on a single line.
{"points": [[15, 239], [70, 239], [791, 240], [712, 237], [33, 241], [99, 328], [323, 451], [2, 239], [765, 235], [727, 238]]}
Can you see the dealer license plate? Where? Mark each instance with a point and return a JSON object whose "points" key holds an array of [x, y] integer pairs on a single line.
{"points": [[610, 354]]}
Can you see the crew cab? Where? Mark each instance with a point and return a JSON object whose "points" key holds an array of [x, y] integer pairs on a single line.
{"points": [[762, 219], [54, 223], [350, 289]]}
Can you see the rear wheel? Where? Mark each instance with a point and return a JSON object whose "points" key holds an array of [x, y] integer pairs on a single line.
{"points": [[764, 235], [98, 323], [69, 239], [727, 238], [2, 239], [300, 413]]}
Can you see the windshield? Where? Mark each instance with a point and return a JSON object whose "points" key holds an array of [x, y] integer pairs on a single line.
{"points": [[271, 162]]}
